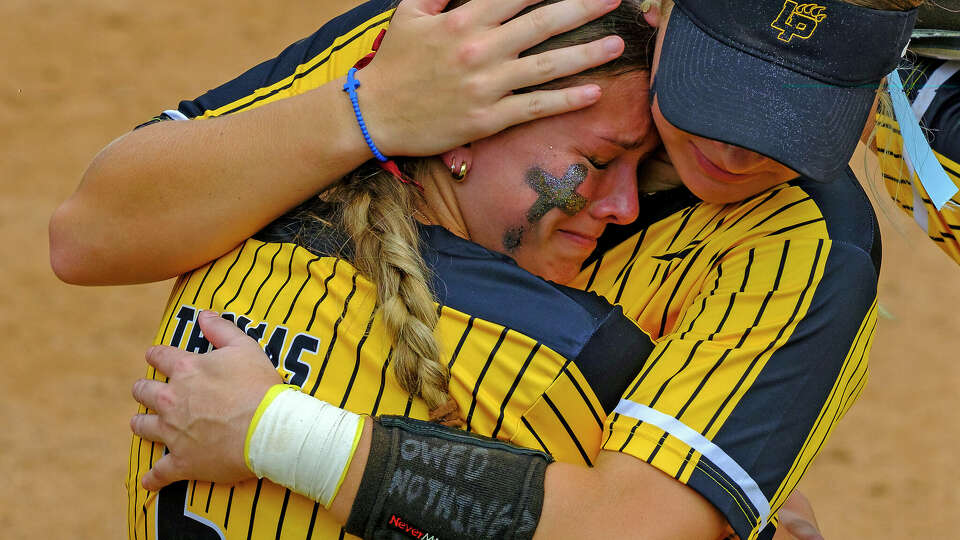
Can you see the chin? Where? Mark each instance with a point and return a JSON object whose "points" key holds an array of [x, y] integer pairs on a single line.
{"points": [[561, 273]]}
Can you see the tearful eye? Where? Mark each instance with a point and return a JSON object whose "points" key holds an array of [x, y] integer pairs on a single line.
{"points": [[597, 164]]}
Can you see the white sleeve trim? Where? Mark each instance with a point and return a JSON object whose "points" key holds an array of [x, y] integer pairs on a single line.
{"points": [[701, 444], [175, 114], [929, 90]]}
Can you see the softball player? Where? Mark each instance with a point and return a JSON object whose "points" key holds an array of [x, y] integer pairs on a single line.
{"points": [[742, 303], [521, 375], [932, 84]]}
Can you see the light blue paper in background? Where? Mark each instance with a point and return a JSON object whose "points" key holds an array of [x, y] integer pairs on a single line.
{"points": [[916, 149]]}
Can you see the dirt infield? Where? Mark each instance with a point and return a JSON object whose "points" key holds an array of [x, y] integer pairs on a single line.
{"points": [[77, 74]]}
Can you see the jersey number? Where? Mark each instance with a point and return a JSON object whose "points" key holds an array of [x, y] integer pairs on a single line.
{"points": [[175, 522]]}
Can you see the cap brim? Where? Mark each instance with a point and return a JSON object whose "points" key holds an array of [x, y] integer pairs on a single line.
{"points": [[715, 91]]}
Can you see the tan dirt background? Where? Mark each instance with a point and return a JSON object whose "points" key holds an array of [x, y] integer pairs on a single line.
{"points": [[74, 75]]}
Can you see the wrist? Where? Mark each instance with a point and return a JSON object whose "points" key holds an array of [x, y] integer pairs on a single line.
{"points": [[268, 398], [302, 443], [350, 87], [330, 139], [426, 479]]}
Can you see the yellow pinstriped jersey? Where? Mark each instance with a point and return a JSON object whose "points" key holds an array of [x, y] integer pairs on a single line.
{"points": [[934, 88], [526, 376], [761, 312]]}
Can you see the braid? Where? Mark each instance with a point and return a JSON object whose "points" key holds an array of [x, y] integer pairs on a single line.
{"points": [[376, 212]]}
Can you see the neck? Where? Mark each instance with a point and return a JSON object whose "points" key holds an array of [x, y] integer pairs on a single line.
{"points": [[440, 205]]}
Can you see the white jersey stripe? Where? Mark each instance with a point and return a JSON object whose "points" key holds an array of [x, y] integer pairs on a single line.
{"points": [[701, 444], [175, 114], [934, 82]]}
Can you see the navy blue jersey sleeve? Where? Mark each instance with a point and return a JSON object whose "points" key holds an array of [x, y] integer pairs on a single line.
{"points": [[325, 55], [942, 116]]}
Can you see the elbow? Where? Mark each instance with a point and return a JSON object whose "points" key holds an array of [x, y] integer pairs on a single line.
{"points": [[65, 269], [67, 252]]}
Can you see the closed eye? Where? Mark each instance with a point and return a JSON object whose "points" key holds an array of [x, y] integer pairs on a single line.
{"points": [[599, 165]]}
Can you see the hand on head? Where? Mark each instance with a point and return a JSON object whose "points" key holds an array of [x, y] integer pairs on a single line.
{"points": [[466, 62], [202, 412]]}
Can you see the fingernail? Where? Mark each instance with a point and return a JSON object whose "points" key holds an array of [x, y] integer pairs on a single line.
{"points": [[209, 313], [612, 44], [591, 93], [611, 3]]}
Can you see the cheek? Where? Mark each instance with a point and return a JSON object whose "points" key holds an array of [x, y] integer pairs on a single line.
{"points": [[785, 173], [537, 257], [498, 220], [671, 137]]}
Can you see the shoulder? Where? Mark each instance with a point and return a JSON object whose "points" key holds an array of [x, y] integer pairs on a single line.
{"points": [[308, 227], [848, 216], [306, 64], [797, 235], [607, 348], [490, 285]]}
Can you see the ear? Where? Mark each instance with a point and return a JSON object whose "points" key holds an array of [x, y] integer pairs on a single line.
{"points": [[651, 12], [456, 157]]}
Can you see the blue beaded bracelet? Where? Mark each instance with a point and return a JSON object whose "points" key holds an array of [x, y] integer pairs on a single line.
{"points": [[350, 87]]}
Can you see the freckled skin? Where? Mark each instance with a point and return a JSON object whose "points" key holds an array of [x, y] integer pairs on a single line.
{"points": [[556, 192]]}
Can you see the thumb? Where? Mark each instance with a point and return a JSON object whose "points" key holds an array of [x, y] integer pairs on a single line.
{"points": [[221, 332], [163, 473]]}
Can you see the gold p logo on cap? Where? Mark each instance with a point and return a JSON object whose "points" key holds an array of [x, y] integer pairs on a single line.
{"points": [[798, 20]]}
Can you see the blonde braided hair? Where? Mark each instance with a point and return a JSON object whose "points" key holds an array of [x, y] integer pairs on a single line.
{"points": [[376, 212]]}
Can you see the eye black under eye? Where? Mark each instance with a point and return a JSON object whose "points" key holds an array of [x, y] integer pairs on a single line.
{"points": [[597, 164]]}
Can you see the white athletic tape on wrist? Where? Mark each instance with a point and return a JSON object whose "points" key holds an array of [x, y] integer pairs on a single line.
{"points": [[303, 444]]}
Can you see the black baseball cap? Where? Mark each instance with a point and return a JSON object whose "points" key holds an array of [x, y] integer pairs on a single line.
{"points": [[791, 80]]}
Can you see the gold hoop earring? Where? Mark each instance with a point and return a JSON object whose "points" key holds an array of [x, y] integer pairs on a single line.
{"points": [[458, 175]]}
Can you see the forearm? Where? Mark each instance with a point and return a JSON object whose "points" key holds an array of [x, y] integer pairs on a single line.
{"points": [[172, 196], [343, 502], [619, 497], [623, 497], [146, 199]]}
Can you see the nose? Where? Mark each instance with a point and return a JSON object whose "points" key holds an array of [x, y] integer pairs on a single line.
{"points": [[734, 158], [616, 199]]}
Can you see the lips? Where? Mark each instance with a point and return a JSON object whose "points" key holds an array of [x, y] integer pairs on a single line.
{"points": [[715, 172], [584, 239]]}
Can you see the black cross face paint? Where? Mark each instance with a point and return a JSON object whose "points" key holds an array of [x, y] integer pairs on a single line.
{"points": [[556, 192], [552, 192], [512, 239]]}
